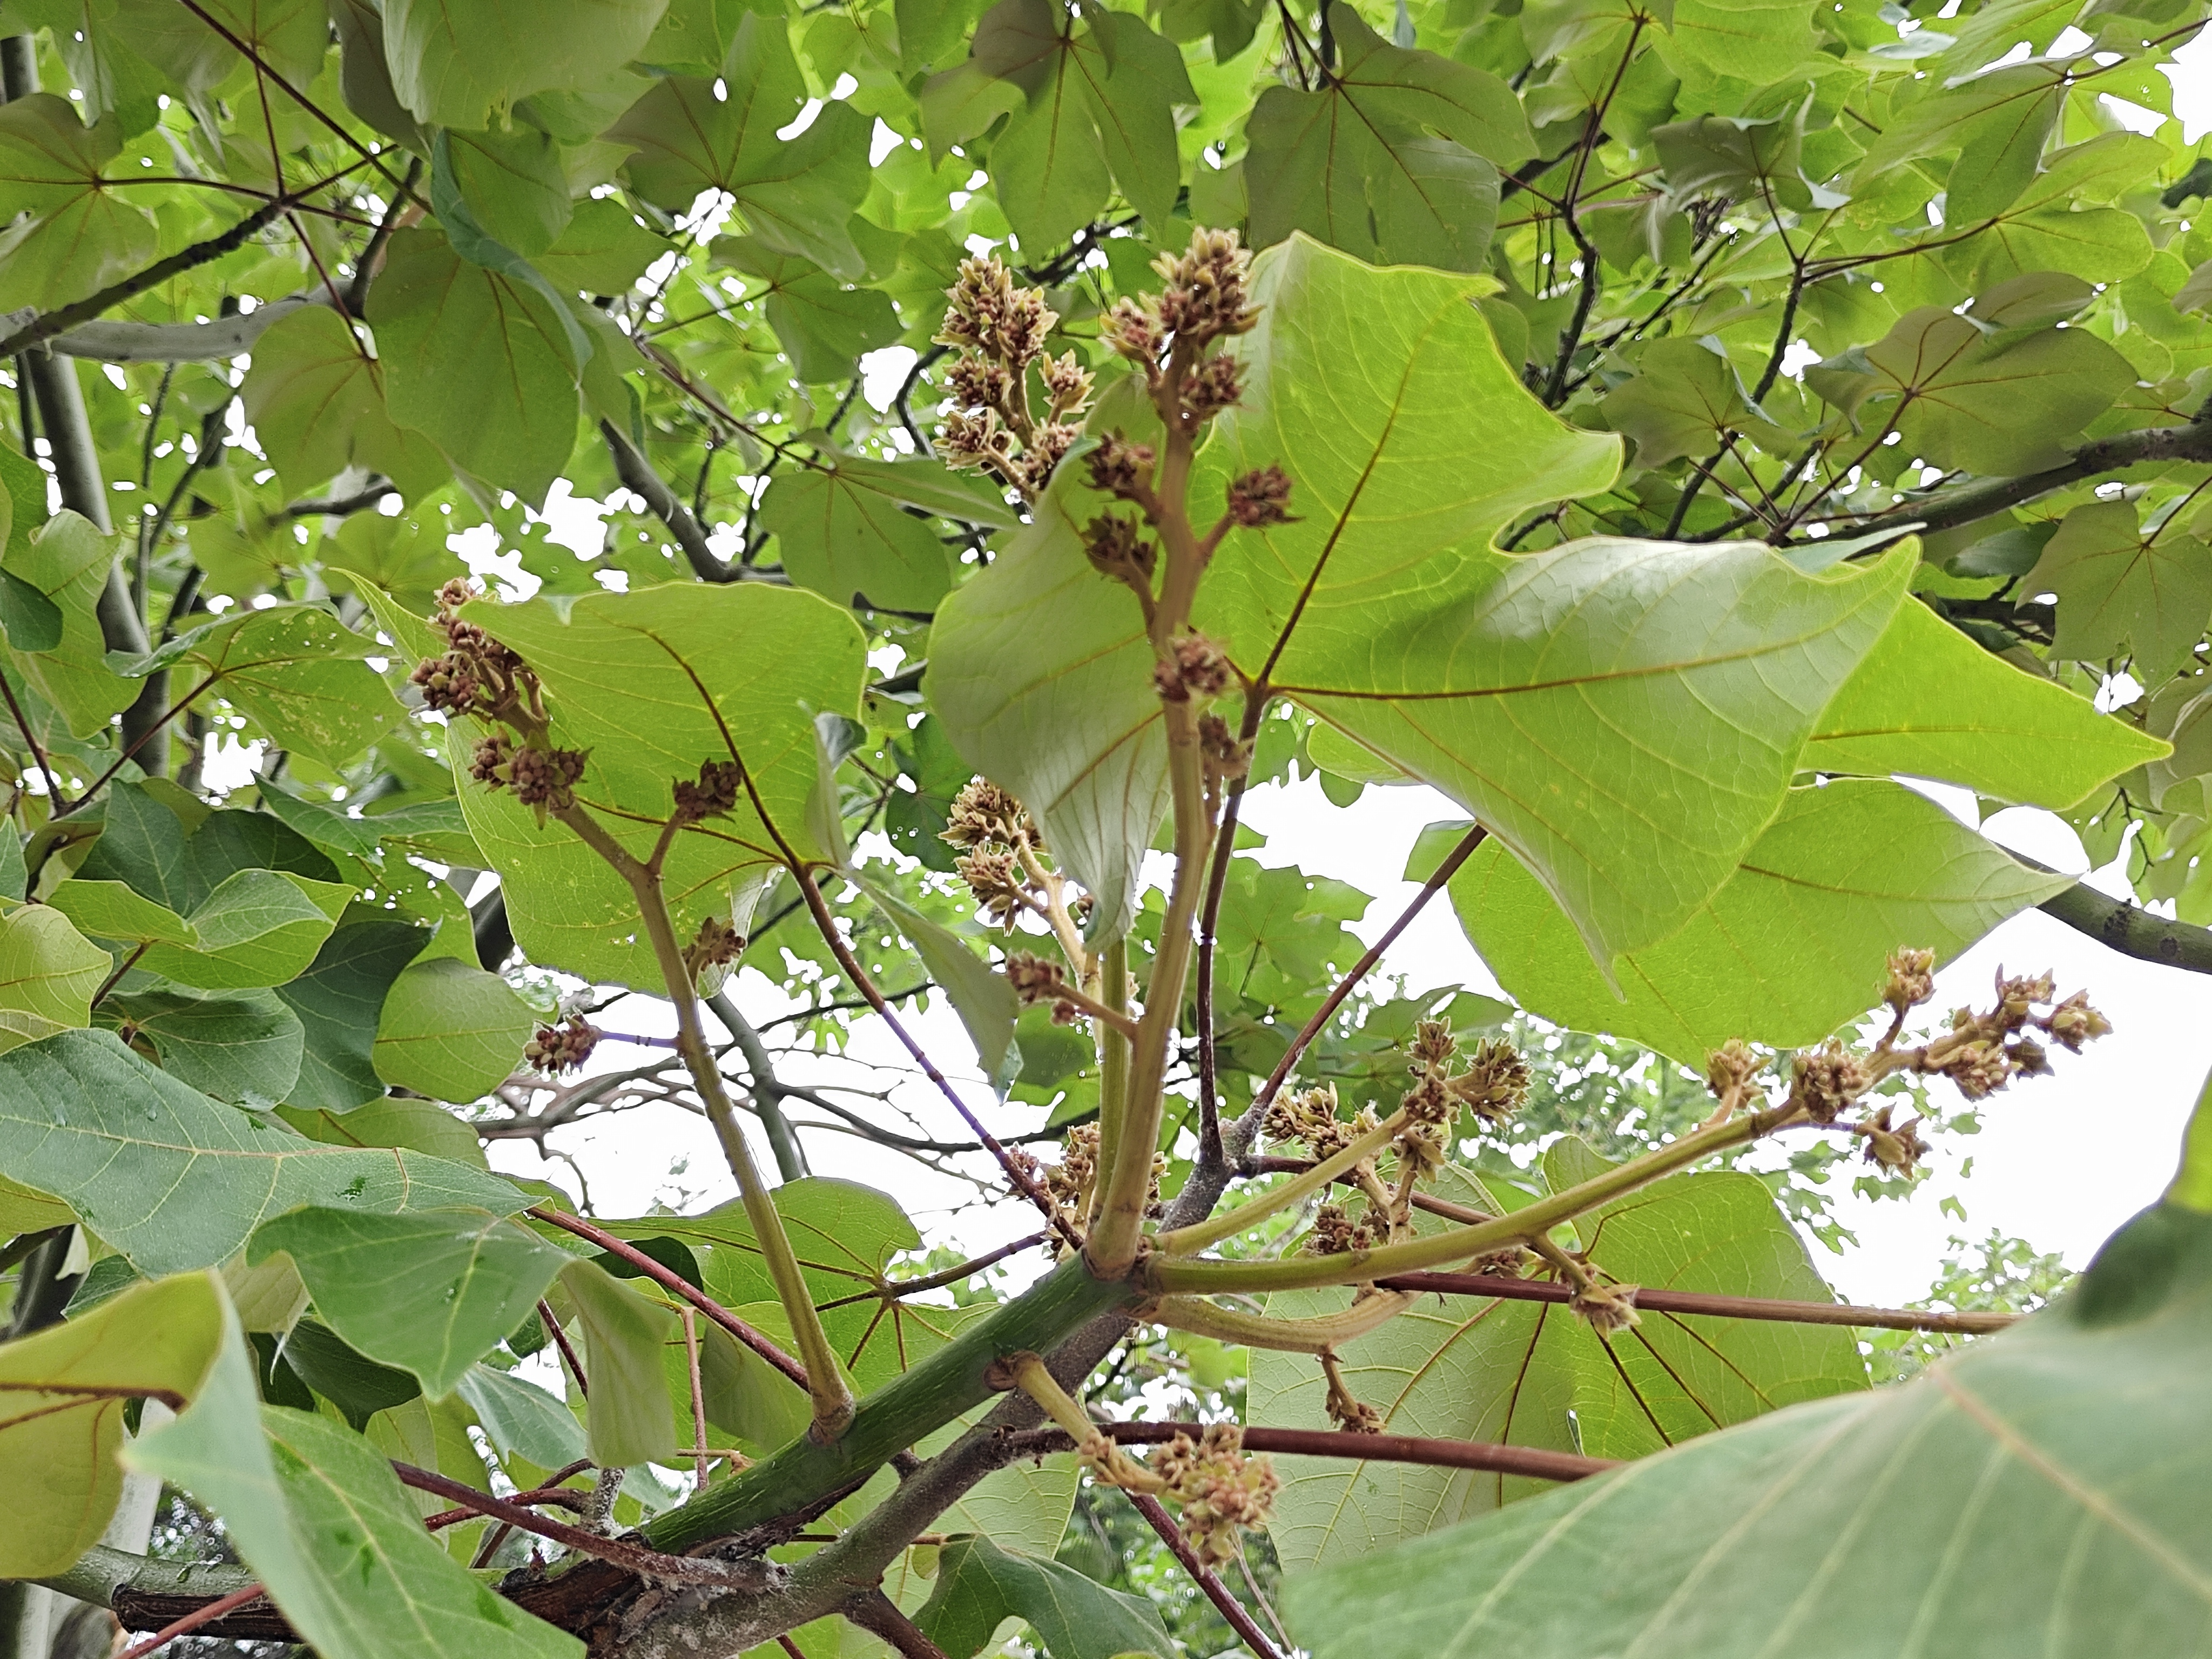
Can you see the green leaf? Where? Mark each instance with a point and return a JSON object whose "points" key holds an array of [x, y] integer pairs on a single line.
{"points": [[1791, 949], [849, 543], [175, 1181], [322, 1521], [1513, 1372], [1624, 715], [394, 1121], [603, 250], [476, 361], [286, 35], [2148, 592], [349, 1379], [979, 1585], [76, 233], [2027, 1494], [630, 1418], [49, 973], [260, 928], [653, 683], [513, 184], [843, 1234], [822, 323], [450, 1031], [294, 670], [1929, 702], [246, 1048], [68, 561], [522, 1419], [2051, 226], [795, 195], [316, 399], [966, 497], [108, 909], [62, 1397], [1966, 396], [453, 65], [980, 994], [1392, 161], [30, 621], [430, 1292], [339, 1000], [1685, 395]]}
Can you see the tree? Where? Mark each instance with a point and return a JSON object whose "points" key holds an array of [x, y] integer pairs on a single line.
{"points": [[1021, 429]]}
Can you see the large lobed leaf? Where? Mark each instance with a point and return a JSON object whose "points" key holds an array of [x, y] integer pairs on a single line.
{"points": [[2039, 1492], [1533, 1374], [176, 1181]]}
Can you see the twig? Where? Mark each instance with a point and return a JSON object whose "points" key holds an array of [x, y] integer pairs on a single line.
{"points": [[1207, 1579], [674, 1282], [638, 478], [192, 1620], [952, 1276], [1529, 1460], [561, 1340], [879, 1615], [1458, 856], [647, 1563], [1717, 1307], [699, 1459], [1023, 1182]]}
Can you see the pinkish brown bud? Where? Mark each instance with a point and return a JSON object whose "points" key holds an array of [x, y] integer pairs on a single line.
{"points": [[1261, 498]]}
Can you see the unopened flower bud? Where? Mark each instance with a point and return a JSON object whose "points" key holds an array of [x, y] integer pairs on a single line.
{"points": [[1912, 979], [1196, 667], [1495, 1082], [716, 944], [557, 1049], [1433, 1044], [2074, 1023], [1131, 332], [1898, 1150], [714, 792], [1067, 382], [1033, 979], [1226, 756], [1115, 547], [1979, 1069], [1607, 1308], [1261, 498], [489, 764], [2016, 995], [1220, 1488], [1828, 1079], [1213, 386], [1206, 288], [545, 778], [1334, 1232], [983, 813], [1730, 1068], [1119, 467]]}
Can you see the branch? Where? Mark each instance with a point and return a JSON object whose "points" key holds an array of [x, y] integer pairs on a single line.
{"points": [[1249, 1124], [1717, 1307], [192, 1620], [638, 478], [646, 1563], [1207, 1580], [678, 1285], [1946, 511], [768, 1089], [1343, 1442], [2129, 928], [55, 322], [372, 253], [877, 1615]]}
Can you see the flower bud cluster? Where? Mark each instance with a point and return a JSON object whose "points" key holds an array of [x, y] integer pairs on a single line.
{"points": [[1121, 468], [1220, 1489], [563, 1048], [715, 945], [1261, 498], [1070, 1181], [1206, 297], [476, 674], [1227, 756], [992, 827], [1335, 1233], [1310, 1116], [714, 792], [1035, 979], [1606, 1308], [543, 780], [1194, 666], [1117, 548], [1001, 329]]}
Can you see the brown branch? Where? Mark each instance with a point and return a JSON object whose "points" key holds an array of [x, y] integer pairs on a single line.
{"points": [[551, 1491], [44, 328], [192, 1620], [1204, 1577], [561, 1340], [877, 1615], [678, 1285], [1717, 1307], [1530, 1460], [647, 1563], [638, 478], [1249, 1123], [1023, 1182]]}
